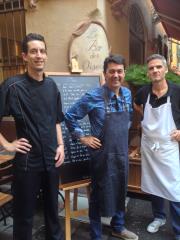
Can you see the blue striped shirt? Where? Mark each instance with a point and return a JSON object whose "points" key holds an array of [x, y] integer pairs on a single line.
{"points": [[93, 105]]}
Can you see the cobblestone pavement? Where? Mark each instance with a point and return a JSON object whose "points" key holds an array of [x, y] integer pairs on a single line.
{"points": [[137, 217]]}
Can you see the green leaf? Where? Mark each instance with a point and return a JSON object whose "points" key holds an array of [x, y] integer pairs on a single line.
{"points": [[136, 74]]}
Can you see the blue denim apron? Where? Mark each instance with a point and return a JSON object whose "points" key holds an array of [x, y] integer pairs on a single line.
{"points": [[109, 164]]}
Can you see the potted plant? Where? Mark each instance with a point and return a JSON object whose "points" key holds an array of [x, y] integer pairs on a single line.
{"points": [[136, 75]]}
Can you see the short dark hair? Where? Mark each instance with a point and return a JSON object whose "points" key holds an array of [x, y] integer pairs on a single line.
{"points": [[31, 37], [119, 59], [157, 56]]}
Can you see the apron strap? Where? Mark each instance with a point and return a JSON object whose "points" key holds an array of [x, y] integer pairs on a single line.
{"points": [[168, 99], [148, 99], [107, 101]]}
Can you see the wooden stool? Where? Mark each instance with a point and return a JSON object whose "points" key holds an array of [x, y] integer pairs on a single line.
{"points": [[74, 212], [4, 199]]}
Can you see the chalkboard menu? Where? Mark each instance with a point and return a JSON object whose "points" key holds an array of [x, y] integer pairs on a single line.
{"points": [[72, 87]]}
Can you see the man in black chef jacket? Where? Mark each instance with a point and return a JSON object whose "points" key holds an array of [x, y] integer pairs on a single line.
{"points": [[35, 103]]}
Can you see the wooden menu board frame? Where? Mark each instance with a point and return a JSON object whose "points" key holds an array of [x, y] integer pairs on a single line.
{"points": [[72, 87]]}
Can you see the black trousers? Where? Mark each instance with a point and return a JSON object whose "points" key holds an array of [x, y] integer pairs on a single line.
{"points": [[26, 187]]}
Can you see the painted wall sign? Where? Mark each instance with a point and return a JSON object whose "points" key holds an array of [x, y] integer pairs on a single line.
{"points": [[89, 45]]}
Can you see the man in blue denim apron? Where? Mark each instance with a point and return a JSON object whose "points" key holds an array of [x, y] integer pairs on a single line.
{"points": [[108, 108]]}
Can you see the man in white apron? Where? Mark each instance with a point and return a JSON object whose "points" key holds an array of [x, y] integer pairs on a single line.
{"points": [[160, 143]]}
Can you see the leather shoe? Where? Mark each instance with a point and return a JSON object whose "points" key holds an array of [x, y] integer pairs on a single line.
{"points": [[125, 235]]}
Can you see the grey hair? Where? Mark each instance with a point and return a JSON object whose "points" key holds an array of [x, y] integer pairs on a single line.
{"points": [[157, 56]]}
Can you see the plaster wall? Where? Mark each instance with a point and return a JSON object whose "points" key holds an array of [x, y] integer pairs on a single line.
{"points": [[56, 20], [118, 31], [159, 30]]}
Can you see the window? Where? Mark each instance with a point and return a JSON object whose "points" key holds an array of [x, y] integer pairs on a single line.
{"points": [[12, 31], [136, 33]]}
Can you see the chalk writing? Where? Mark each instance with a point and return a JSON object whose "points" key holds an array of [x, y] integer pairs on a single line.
{"points": [[71, 89]]}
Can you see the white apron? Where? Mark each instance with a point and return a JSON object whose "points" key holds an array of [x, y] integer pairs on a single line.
{"points": [[159, 154]]}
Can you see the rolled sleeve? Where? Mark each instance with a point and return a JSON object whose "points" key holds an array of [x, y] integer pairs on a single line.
{"points": [[77, 112]]}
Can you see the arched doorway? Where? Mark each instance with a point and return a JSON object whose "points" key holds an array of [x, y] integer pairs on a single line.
{"points": [[136, 37]]}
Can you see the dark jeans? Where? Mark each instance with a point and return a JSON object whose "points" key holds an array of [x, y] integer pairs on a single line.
{"points": [[117, 221], [158, 212], [26, 187]]}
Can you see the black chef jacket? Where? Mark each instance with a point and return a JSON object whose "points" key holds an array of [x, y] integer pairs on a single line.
{"points": [[36, 108]]}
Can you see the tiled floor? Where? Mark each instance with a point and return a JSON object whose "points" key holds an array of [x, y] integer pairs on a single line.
{"points": [[137, 218]]}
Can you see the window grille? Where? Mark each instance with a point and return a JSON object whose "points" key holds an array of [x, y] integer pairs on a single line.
{"points": [[11, 5], [12, 31]]}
